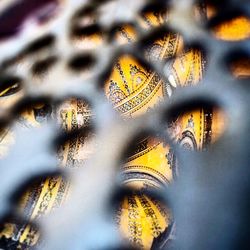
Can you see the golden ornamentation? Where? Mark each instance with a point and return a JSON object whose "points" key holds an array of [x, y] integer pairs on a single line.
{"points": [[133, 90]]}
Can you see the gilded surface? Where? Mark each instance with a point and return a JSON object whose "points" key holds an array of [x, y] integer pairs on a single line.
{"points": [[133, 90]]}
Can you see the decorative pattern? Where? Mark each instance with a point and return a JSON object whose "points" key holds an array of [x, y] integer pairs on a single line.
{"points": [[134, 90]]}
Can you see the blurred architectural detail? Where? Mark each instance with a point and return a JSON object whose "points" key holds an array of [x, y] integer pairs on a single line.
{"points": [[90, 76]]}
